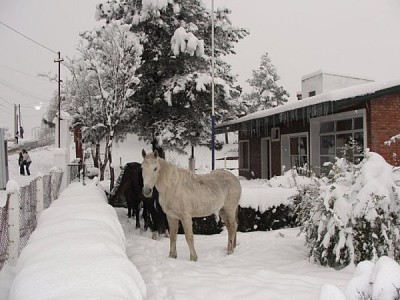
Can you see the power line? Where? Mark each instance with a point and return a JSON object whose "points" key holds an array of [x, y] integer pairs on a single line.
{"points": [[27, 74], [6, 101], [27, 37], [5, 107], [22, 91]]}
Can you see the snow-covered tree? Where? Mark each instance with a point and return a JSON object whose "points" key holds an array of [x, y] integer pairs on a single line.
{"points": [[109, 57], [174, 95], [265, 93]]}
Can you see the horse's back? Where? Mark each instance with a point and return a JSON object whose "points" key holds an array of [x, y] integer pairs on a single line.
{"points": [[230, 183]]}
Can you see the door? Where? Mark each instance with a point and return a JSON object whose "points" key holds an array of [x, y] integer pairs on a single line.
{"points": [[265, 158]]}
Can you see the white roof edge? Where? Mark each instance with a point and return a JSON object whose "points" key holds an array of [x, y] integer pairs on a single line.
{"points": [[349, 92]]}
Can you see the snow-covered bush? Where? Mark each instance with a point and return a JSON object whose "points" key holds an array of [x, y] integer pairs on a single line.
{"points": [[370, 282], [352, 215]]}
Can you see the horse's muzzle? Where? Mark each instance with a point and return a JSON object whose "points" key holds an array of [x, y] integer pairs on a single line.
{"points": [[147, 192]]}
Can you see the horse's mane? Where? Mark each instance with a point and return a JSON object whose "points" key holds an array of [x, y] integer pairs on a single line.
{"points": [[178, 173]]}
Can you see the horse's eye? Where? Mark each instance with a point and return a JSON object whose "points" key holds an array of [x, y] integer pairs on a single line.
{"points": [[155, 169]]}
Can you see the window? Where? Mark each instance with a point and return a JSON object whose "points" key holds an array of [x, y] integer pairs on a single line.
{"points": [[298, 151], [244, 155], [335, 135], [294, 150], [311, 94]]}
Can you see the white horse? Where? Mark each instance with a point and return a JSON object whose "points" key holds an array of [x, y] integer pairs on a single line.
{"points": [[184, 195]]}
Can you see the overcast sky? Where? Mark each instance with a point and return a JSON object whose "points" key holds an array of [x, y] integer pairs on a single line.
{"points": [[354, 37]]}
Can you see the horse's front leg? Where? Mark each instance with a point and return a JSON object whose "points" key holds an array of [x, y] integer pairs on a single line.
{"points": [[173, 232], [188, 228]]}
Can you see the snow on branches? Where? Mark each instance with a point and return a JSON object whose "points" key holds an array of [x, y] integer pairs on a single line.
{"points": [[186, 42]]}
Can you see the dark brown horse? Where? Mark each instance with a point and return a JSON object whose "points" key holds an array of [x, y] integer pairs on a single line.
{"points": [[128, 188]]}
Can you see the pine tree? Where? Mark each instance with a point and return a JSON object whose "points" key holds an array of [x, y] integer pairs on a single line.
{"points": [[174, 95], [266, 93]]}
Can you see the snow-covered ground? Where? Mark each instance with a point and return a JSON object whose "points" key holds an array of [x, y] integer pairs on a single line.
{"points": [[265, 265]]}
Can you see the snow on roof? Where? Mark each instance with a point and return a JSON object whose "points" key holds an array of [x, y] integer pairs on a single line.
{"points": [[336, 95]]}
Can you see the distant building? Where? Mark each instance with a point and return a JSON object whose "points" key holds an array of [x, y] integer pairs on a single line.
{"points": [[332, 109], [321, 82]]}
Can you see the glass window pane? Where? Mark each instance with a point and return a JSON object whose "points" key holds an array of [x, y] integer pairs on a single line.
{"points": [[294, 146], [294, 161], [358, 123], [303, 145], [343, 125], [327, 127], [359, 138], [343, 139], [327, 144]]}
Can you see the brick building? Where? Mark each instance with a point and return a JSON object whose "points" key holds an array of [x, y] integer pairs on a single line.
{"points": [[314, 129]]}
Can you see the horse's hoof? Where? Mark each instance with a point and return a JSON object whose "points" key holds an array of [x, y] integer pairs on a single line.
{"points": [[193, 257], [173, 255]]}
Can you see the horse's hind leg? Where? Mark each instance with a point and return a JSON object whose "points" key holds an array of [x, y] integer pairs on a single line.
{"points": [[173, 230], [229, 219], [188, 228]]}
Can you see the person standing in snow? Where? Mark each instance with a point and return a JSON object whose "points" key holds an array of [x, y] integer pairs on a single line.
{"points": [[26, 161], [21, 164]]}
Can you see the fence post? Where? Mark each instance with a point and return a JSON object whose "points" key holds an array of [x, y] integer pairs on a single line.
{"points": [[39, 195], [61, 161], [13, 231]]}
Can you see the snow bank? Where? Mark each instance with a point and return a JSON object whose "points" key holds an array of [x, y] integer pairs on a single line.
{"points": [[257, 194], [262, 194], [370, 281], [77, 252]]}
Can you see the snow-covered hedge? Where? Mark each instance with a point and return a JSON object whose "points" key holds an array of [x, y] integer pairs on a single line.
{"points": [[353, 215], [264, 205], [77, 251]]}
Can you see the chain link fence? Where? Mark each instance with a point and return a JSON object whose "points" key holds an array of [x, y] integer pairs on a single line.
{"points": [[28, 210], [4, 240]]}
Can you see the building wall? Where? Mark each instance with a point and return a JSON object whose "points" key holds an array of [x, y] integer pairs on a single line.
{"points": [[323, 82], [383, 122]]}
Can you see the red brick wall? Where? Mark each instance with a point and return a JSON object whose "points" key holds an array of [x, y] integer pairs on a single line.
{"points": [[383, 123]]}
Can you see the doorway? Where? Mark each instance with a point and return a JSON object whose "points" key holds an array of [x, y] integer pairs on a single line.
{"points": [[265, 158]]}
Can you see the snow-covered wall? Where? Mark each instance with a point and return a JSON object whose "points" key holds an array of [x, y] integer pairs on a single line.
{"points": [[77, 251]]}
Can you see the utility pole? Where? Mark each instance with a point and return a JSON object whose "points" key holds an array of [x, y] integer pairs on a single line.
{"points": [[15, 120], [59, 60], [212, 90], [19, 119]]}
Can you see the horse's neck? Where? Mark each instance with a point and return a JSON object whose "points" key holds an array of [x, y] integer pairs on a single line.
{"points": [[170, 175]]}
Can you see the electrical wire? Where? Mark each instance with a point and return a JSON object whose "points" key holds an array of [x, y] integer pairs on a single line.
{"points": [[22, 91], [27, 74], [6, 101], [27, 37]]}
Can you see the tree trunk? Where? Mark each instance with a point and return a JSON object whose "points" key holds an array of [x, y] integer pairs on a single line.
{"points": [[95, 154], [103, 164], [112, 176]]}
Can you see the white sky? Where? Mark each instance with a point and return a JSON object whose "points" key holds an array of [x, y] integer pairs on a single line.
{"points": [[356, 37]]}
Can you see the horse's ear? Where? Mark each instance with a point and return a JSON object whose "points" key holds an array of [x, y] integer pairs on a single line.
{"points": [[143, 153], [155, 153]]}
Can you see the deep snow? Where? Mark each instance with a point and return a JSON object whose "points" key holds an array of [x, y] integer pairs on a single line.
{"points": [[265, 265]]}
